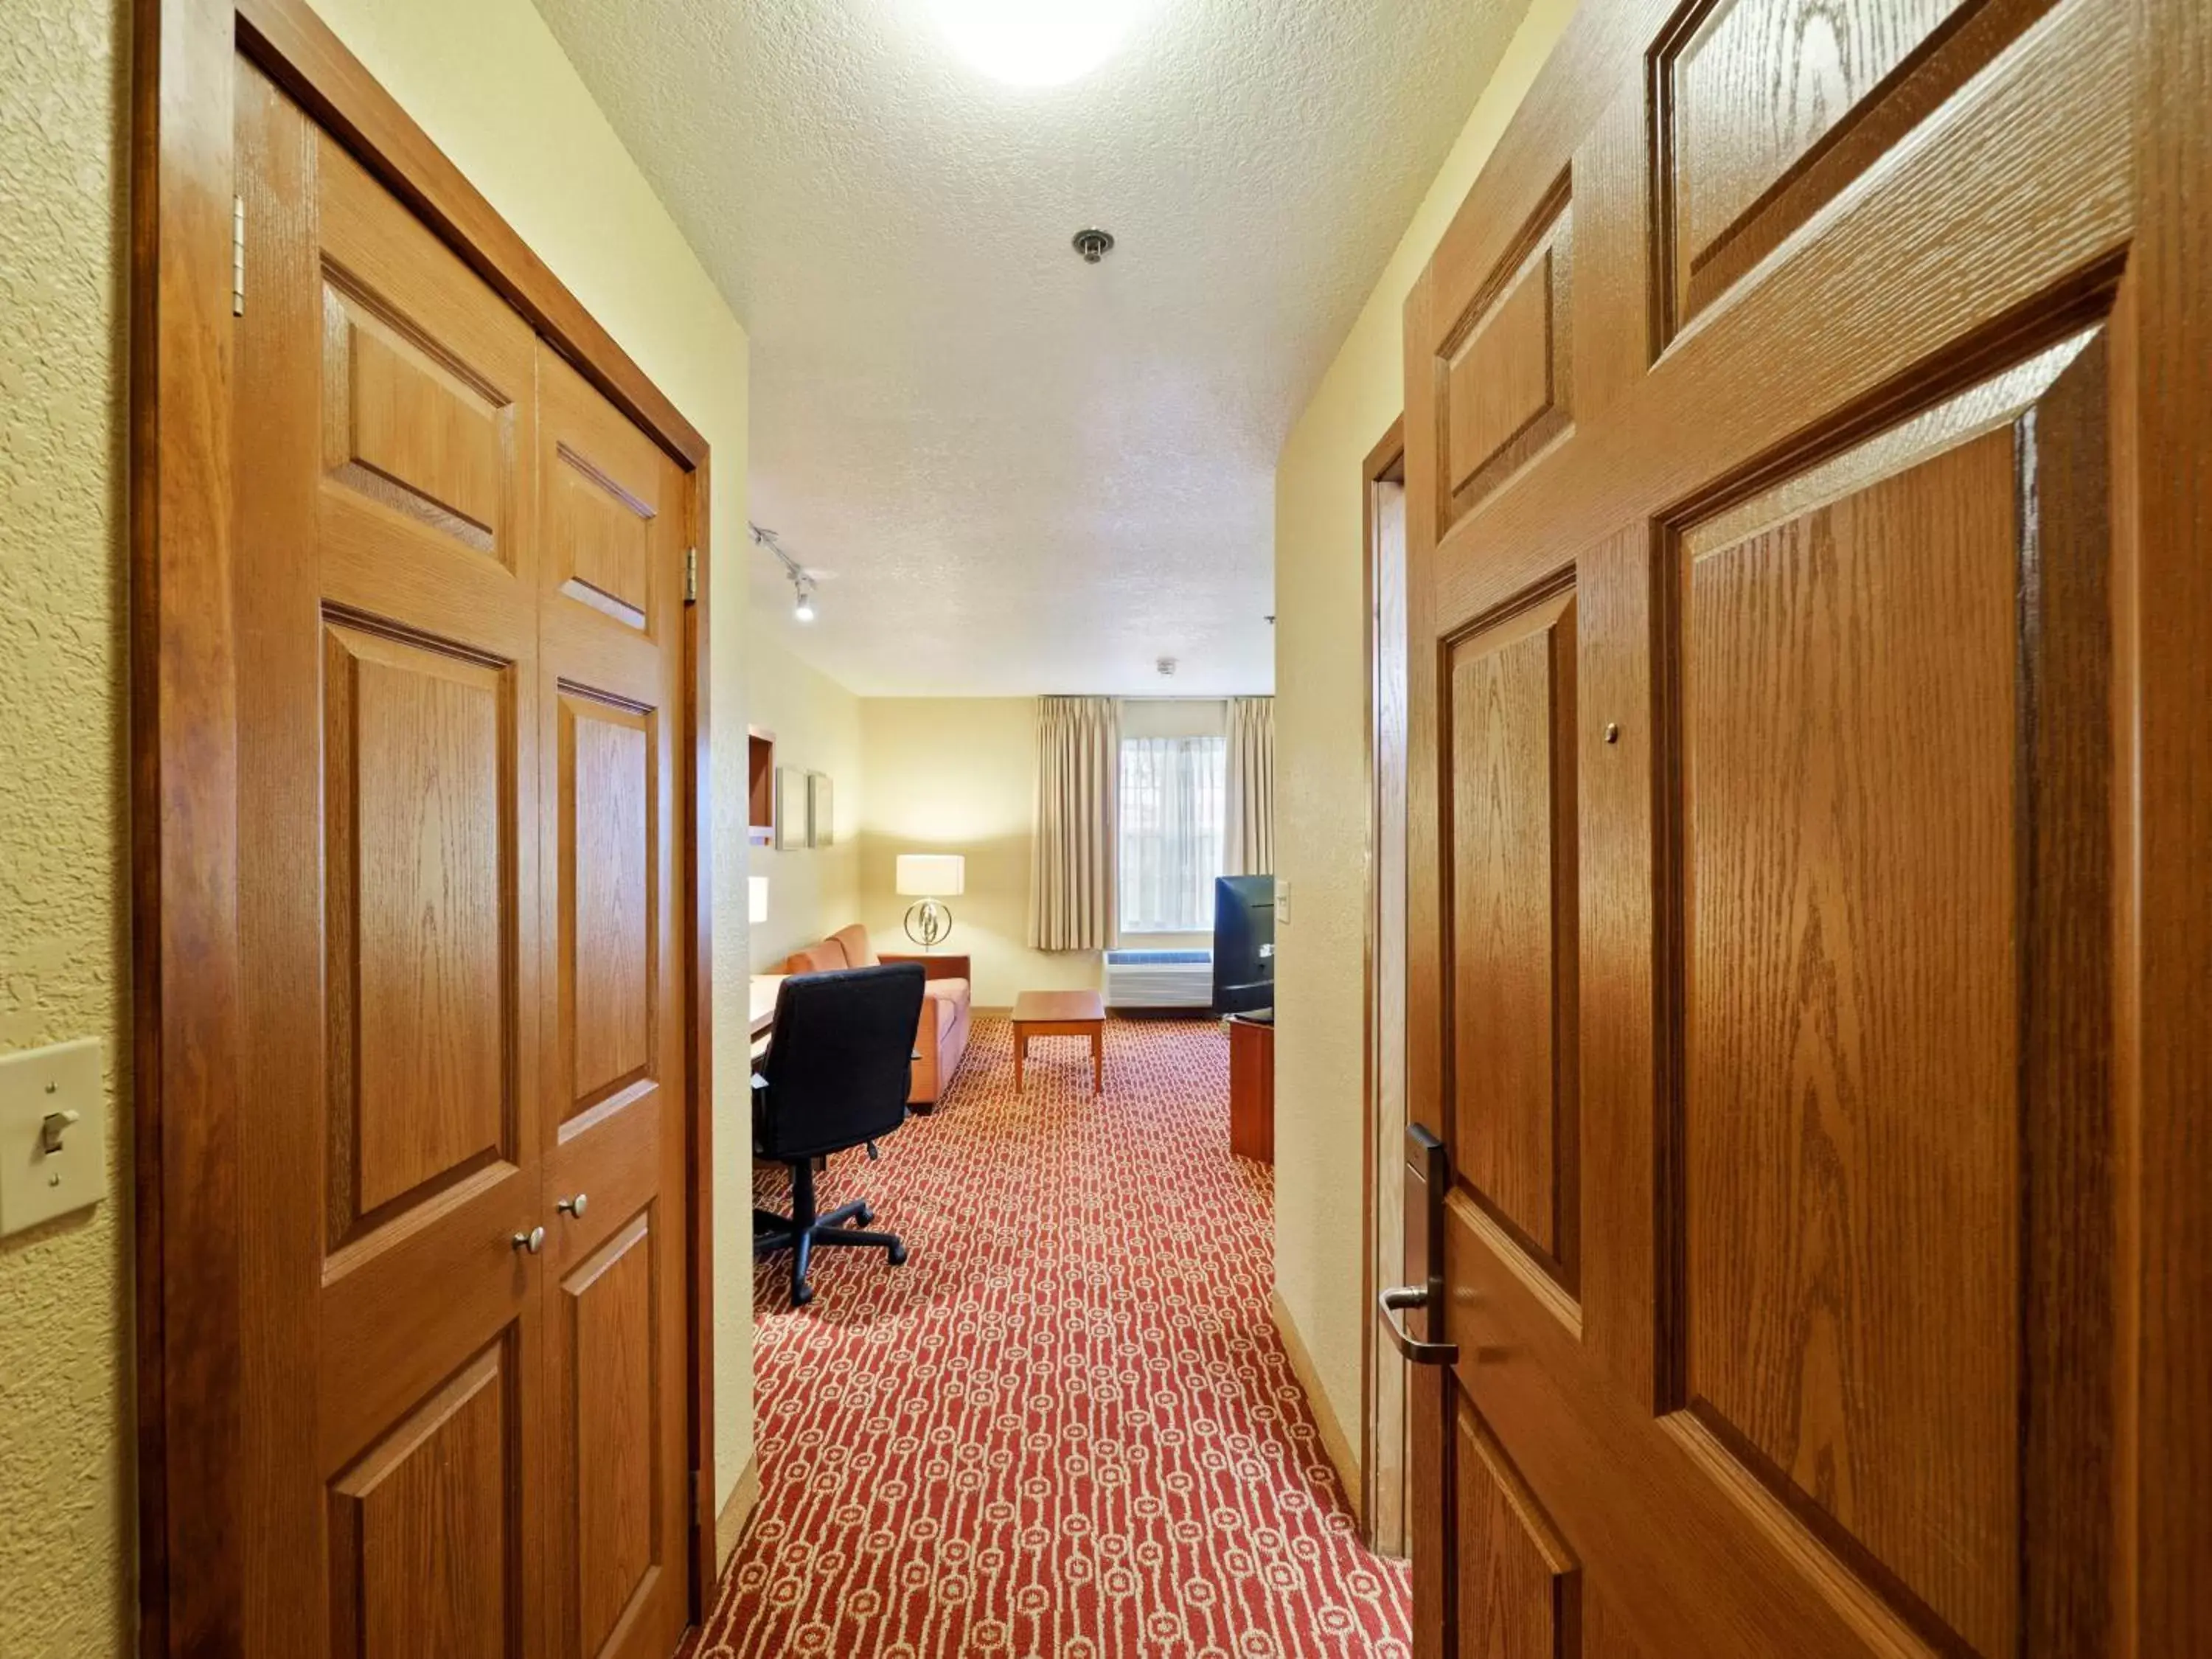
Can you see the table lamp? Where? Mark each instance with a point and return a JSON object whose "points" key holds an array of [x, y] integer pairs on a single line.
{"points": [[931, 877]]}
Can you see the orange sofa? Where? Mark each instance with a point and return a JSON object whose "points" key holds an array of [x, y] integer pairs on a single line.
{"points": [[943, 1037]]}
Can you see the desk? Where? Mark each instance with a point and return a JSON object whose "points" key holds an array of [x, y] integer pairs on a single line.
{"points": [[1252, 1089], [949, 964]]}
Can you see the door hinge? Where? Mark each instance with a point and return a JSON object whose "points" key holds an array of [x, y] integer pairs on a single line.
{"points": [[690, 576], [238, 256]]}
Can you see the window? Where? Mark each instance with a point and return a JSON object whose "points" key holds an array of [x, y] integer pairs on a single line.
{"points": [[1174, 810]]}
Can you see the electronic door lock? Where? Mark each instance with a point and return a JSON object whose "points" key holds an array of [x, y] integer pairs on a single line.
{"points": [[1428, 1169]]}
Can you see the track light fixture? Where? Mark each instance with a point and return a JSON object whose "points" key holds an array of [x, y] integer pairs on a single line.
{"points": [[802, 579]]}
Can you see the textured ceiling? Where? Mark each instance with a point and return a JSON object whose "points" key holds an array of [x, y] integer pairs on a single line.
{"points": [[1028, 474]]}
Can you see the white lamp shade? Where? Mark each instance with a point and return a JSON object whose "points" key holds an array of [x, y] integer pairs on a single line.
{"points": [[932, 875], [756, 898]]}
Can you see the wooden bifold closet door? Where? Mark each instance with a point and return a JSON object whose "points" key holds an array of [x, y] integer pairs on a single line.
{"points": [[459, 596], [1805, 605]]}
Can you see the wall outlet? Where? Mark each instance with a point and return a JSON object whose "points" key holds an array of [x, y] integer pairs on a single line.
{"points": [[1282, 903], [53, 1132]]}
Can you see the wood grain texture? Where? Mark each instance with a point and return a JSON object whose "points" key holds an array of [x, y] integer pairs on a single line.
{"points": [[1769, 109], [424, 1552], [1818, 345], [1507, 373], [412, 425], [237, 1303], [1625, 1293], [1762, 82], [1519, 1589], [282, 872], [1605, 1634], [2164, 435], [602, 539], [1252, 1091], [424, 372], [297, 50], [1512, 784], [1849, 1110], [184, 783], [1695, 1567], [388, 840], [2070, 1123], [609, 1314], [614, 688], [1818, 528], [2166, 925], [419, 818], [607, 800], [1501, 379]]}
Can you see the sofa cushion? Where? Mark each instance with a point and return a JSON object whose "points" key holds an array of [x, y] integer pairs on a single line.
{"points": [[948, 1015], [853, 941], [947, 990], [827, 958]]}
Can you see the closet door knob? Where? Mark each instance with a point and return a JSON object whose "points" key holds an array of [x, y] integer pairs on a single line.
{"points": [[574, 1206], [532, 1242]]}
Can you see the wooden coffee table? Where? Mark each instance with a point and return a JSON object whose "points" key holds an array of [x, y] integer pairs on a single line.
{"points": [[1062, 1013]]}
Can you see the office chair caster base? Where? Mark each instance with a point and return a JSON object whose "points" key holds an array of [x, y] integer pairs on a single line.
{"points": [[864, 1215], [898, 1256], [801, 1294]]}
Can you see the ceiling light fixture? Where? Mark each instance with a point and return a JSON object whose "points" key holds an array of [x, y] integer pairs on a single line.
{"points": [[802, 579], [1032, 45]]}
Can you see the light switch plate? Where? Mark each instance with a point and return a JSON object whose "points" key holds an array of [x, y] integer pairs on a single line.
{"points": [[1282, 903], [36, 1185]]}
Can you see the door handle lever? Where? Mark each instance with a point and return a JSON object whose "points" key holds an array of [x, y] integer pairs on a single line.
{"points": [[1428, 1177], [1415, 1351]]}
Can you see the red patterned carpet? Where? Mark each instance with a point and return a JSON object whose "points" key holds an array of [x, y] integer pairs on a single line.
{"points": [[1066, 1427]]}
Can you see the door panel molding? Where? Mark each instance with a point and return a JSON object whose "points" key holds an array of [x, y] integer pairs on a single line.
{"points": [[193, 1070], [1883, 1338]]}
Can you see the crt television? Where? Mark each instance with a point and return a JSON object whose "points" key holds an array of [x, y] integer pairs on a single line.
{"points": [[1244, 943]]}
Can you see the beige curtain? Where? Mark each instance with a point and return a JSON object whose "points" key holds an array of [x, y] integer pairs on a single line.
{"points": [[1251, 841], [1072, 865]]}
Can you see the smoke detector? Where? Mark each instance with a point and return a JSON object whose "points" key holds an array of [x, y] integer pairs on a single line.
{"points": [[1094, 244], [1166, 667]]}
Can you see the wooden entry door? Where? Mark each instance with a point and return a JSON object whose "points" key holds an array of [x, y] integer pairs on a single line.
{"points": [[1788, 763], [610, 687], [459, 581]]}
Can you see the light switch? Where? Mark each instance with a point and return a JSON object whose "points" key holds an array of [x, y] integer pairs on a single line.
{"points": [[1282, 903], [53, 1132]]}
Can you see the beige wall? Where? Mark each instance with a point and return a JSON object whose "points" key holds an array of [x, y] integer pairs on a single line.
{"points": [[813, 891], [66, 1520], [531, 138], [1321, 781], [958, 775]]}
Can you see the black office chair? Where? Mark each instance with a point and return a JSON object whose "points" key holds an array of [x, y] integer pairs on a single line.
{"points": [[836, 1075]]}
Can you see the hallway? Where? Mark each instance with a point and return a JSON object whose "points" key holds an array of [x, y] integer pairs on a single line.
{"points": [[1067, 1427]]}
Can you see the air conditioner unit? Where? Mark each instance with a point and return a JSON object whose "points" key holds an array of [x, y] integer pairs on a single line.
{"points": [[1160, 979]]}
